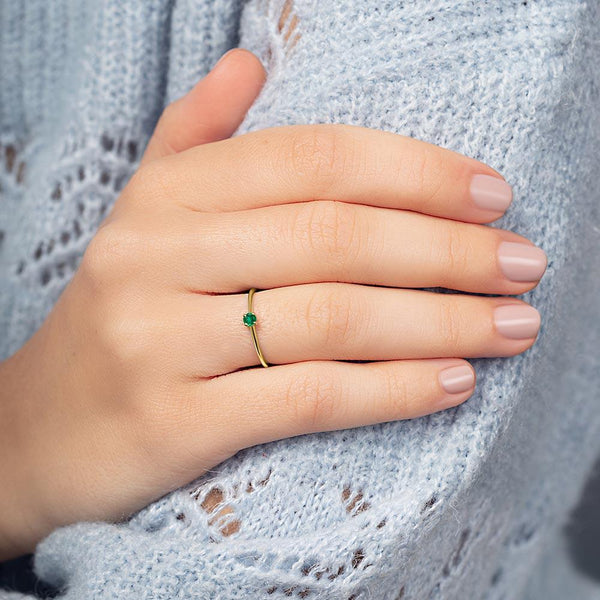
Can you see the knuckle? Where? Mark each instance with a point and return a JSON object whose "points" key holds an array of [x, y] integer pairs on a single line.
{"points": [[120, 319], [112, 251], [312, 396], [452, 255], [331, 316], [320, 154], [427, 176], [102, 253], [152, 182], [329, 230], [450, 326], [397, 393]]}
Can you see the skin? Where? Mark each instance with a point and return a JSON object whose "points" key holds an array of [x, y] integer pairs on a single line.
{"points": [[136, 383]]}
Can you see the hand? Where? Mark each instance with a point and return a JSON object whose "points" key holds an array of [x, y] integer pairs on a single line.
{"points": [[140, 381]]}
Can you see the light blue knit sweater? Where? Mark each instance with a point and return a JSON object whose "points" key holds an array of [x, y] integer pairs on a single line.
{"points": [[461, 504]]}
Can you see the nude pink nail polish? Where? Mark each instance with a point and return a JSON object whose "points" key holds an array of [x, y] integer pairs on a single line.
{"points": [[521, 262], [490, 193], [517, 321], [456, 380]]}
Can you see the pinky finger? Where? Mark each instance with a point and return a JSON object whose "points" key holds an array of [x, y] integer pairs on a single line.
{"points": [[259, 405]]}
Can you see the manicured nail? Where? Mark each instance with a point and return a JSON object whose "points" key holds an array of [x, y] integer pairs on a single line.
{"points": [[491, 193], [521, 262], [456, 380], [517, 321]]}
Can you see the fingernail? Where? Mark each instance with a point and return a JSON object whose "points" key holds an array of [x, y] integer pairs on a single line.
{"points": [[521, 262], [456, 380], [517, 321], [490, 193]]}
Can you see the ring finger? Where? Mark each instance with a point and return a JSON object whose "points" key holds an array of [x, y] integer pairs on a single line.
{"points": [[342, 321]]}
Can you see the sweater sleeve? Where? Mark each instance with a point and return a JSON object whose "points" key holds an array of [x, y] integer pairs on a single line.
{"points": [[461, 503]]}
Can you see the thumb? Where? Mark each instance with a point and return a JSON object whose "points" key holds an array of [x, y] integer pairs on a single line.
{"points": [[212, 110]]}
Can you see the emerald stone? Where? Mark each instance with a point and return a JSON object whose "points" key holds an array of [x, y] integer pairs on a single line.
{"points": [[249, 319]]}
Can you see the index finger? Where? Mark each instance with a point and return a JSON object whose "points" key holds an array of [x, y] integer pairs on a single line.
{"points": [[297, 163]]}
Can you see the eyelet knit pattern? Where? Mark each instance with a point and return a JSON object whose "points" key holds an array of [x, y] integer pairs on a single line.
{"points": [[461, 504]]}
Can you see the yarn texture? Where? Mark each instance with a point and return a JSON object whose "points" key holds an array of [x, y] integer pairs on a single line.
{"points": [[466, 503]]}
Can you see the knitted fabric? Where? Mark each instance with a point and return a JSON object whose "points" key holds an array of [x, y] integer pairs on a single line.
{"points": [[461, 504]]}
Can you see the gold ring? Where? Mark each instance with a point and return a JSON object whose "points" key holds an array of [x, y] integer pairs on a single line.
{"points": [[250, 321]]}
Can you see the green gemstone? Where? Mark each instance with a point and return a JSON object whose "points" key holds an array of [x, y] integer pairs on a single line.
{"points": [[249, 319]]}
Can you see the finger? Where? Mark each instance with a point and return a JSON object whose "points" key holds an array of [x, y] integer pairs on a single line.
{"points": [[343, 321], [212, 110], [261, 405], [297, 163], [339, 241]]}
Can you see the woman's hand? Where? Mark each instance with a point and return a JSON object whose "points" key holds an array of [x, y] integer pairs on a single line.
{"points": [[136, 382]]}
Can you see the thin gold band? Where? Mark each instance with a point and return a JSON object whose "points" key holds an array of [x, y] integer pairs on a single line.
{"points": [[249, 320]]}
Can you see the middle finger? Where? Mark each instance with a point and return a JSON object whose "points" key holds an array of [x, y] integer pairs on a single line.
{"points": [[326, 240]]}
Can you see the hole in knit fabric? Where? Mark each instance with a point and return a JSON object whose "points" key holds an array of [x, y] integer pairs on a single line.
{"points": [[458, 553], [13, 164], [38, 251], [20, 178], [132, 150], [107, 142], [56, 194], [303, 593], [340, 571], [10, 153], [215, 502], [77, 229], [287, 25], [356, 504], [286, 35], [524, 534], [262, 482], [85, 198], [45, 276], [104, 178], [401, 593], [357, 558], [496, 577], [428, 504], [128, 149], [308, 567]]}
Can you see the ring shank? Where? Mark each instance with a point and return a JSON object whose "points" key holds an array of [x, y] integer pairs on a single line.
{"points": [[263, 362]]}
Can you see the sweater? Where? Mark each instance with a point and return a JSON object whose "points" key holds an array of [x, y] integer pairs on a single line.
{"points": [[466, 503]]}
